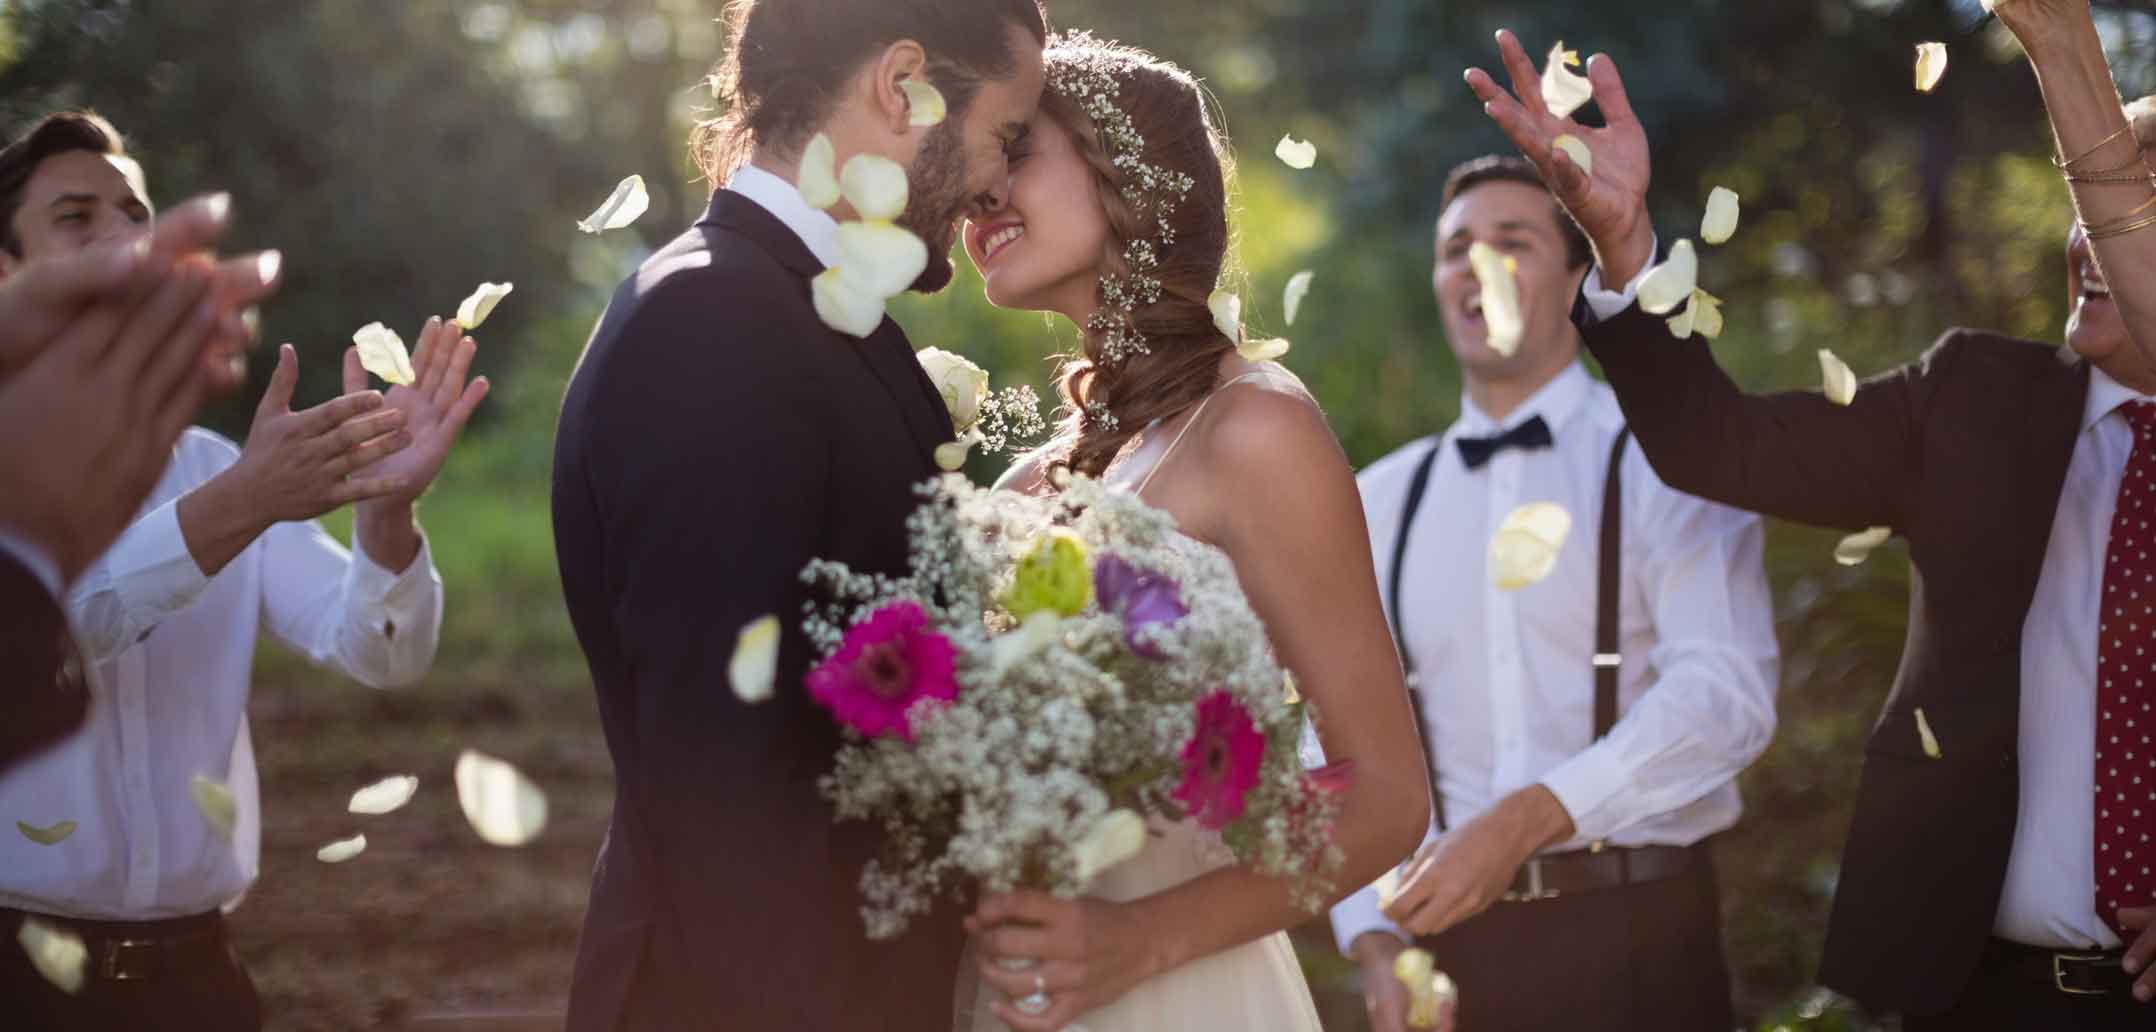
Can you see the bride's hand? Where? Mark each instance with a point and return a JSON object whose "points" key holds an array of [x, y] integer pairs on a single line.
{"points": [[1083, 954]]}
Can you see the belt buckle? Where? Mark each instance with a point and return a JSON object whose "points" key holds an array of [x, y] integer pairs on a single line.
{"points": [[109, 954], [1535, 892], [2058, 973]]}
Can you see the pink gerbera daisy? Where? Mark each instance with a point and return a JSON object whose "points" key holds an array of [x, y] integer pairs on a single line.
{"points": [[885, 665], [1220, 764]]}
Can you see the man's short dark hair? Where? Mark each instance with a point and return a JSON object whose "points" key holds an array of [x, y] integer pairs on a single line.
{"points": [[57, 133], [786, 61], [1511, 168]]}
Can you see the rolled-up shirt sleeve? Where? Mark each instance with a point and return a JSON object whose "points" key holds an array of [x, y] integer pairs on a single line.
{"points": [[343, 610], [1362, 912], [145, 577]]}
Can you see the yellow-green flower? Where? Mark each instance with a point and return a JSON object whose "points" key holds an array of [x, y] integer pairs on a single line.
{"points": [[1055, 576]]}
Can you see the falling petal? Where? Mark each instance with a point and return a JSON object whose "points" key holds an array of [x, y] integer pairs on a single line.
{"points": [[341, 850], [1683, 323], [1287, 687], [1671, 283], [1388, 885], [385, 796], [625, 205], [924, 103], [1414, 967], [1117, 837], [1501, 316], [754, 670], [382, 353], [1564, 90], [1721, 221], [875, 186], [1930, 65], [1227, 311], [1298, 288], [215, 802], [1296, 154], [1262, 350], [845, 307], [818, 178], [1841, 384], [880, 258], [501, 804], [1524, 550], [1577, 151], [1710, 314], [951, 455], [51, 836], [56, 953], [477, 307], [1924, 737], [1858, 547]]}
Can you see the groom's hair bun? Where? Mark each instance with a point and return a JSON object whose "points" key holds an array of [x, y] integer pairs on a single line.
{"points": [[57, 133], [787, 60]]}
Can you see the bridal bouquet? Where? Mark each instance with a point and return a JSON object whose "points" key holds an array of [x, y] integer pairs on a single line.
{"points": [[1050, 673]]}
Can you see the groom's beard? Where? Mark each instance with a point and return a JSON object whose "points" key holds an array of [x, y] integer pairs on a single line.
{"points": [[937, 182]]}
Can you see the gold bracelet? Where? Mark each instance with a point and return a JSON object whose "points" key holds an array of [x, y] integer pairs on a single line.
{"points": [[2137, 175], [2068, 165], [2111, 231], [2137, 210]]}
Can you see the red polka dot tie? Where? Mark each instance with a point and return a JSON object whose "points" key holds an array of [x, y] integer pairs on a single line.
{"points": [[2126, 688]]}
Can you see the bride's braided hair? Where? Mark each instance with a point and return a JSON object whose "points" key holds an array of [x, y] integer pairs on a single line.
{"points": [[1160, 173]]}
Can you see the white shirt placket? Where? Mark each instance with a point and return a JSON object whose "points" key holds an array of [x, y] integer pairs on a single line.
{"points": [[1508, 723], [131, 699]]}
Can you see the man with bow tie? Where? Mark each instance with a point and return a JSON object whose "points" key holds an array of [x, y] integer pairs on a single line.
{"points": [[1585, 732]]}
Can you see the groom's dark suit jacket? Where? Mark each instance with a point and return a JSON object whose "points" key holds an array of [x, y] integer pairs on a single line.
{"points": [[716, 437], [1964, 454]]}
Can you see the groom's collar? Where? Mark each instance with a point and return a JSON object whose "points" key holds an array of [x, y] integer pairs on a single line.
{"points": [[800, 232]]}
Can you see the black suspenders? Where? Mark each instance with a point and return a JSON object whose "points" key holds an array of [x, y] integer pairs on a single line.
{"points": [[1608, 588]]}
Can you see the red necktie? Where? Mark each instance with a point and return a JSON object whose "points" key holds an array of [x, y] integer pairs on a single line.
{"points": [[2126, 688]]}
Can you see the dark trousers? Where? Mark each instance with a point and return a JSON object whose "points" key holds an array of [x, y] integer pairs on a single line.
{"points": [[199, 986], [1644, 957], [2000, 999]]}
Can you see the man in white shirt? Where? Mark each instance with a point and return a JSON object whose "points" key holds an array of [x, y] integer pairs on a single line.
{"points": [[1565, 884], [114, 847]]}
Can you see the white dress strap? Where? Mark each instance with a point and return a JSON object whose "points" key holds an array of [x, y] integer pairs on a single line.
{"points": [[1191, 422]]}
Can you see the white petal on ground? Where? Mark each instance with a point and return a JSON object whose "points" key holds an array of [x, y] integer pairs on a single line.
{"points": [[1266, 350], [215, 802], [924, 103], [1671, 283], [501, 804], [382, 353], [1924, 737], [818, 179], [1577, 150], [1930, 66], [385, 796], [1291, 299], [1115, 838], [875, 186], [1564, 90], [1840, 382], [1501, 318], [47, 836], [754, 668], [1294, 153], [625, 205], [963, 385], [341, 850], [56, 953], [477, 307], [1721, 221], [1858, 547], [879, 257], [845, 307], [1525, 548], [1227, 309]]}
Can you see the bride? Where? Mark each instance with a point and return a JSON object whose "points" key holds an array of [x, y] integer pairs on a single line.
{"points": [[1117, 219]]}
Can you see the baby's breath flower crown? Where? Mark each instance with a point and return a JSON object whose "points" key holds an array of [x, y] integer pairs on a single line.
{"points": [[1083, 70]]}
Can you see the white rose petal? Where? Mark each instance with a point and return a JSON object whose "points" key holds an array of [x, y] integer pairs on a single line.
{"points": [[385, 796], [1262, 350], [1721, 221], [963, 385], [818, 179], [1710, 314], [875, 186], [625, 205], [1924, 737], [754, 668], [500, 803], [1227, 311], [1564, 90], [341, 850], [1115, 838], [1296, 154], [879, 257], [56, 953], [1501, 317], [47, 836], [951, 455], [1577, 150], [1038, 631], [1291, 299], [1841, 383], [1858, 547], [1671, 283], [215, 802], [1930, 66], [477, 307], [845, 307], [382, 353], [1525, 548], [924, 103]]}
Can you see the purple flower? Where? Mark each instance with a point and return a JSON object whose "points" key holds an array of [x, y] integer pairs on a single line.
{"points": [[1143, 599]]}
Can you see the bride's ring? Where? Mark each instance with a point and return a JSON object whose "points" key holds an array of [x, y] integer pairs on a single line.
{"points": [[1035, 1004]]}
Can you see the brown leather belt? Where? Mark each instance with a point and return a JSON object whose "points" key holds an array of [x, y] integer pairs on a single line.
{"points": [[126, 951], [1586, 870], [2073, 972]]}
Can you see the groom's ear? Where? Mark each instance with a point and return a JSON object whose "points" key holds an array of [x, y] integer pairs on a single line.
{"points": [[900, 61]]}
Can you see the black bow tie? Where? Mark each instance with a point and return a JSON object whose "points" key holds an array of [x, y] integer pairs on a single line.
{"points": [[1476, 451]]}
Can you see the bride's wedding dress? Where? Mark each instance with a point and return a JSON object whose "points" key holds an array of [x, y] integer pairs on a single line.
{"points": [[1255, 987]]}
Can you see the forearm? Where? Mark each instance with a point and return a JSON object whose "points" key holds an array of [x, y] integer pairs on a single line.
{"points": [[219, 520], [388, 532]]}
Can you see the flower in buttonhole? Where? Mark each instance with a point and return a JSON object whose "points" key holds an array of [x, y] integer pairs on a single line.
{"points": [[1296, 154], [1501, 315], [963, 385], [1524, 550], [1857, 547], [1577, 151], [1720, 222], [1146, 601], [886, 664], [625, 205], [1291, 299], [475, 309], [1671, 283], [1056, 575], [382, 353], [1220, 762], [1702, 314], [1840, 383], [1113, 839], [754, 668], [1930, 66], [1564, 90]]}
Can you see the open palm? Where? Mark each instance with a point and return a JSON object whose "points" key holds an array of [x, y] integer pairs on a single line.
{"points": [[436, 406]]}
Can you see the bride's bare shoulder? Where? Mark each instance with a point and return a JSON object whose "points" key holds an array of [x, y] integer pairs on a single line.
{"points": [[1266, 420]]}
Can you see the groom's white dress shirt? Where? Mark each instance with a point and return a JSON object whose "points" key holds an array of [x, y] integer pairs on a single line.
{"points": [[170, 655], [816, 229], [1507, 678]]}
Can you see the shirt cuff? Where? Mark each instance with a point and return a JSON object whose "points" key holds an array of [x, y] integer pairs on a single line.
{"points": [[1359, 914], [34, 559], [370, 585], [1606, 304], [151, 569], [1584, 785]]}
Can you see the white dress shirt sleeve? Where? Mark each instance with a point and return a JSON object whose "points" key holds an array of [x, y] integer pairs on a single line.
{"points": [[1710, 712], [1608, 304], [341, 609], [1360, 912], [146, 576]]}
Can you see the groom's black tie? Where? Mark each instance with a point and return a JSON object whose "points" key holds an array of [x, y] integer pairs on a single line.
{"points": [[1476, 451]]}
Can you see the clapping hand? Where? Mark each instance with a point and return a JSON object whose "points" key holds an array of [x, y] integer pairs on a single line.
{"points": [[435, 408], [1610, 204]]}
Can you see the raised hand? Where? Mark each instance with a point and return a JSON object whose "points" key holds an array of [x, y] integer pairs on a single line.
{"points": [[2038, 22], [435, 407], [1611, 204]]}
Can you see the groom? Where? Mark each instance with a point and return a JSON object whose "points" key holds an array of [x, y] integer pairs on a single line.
{"points": [[715, 438]]}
